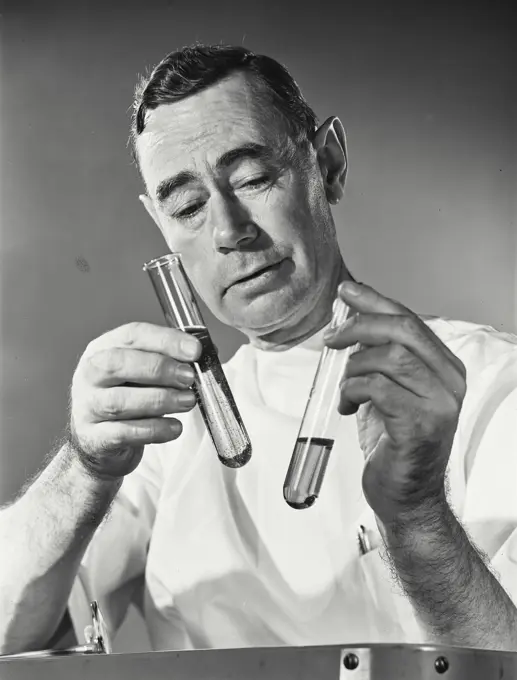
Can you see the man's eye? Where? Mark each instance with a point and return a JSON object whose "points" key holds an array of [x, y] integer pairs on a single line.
{"points": [[255, 181], [190, 210]]}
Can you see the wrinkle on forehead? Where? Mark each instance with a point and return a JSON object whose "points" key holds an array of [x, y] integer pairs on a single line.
{"points": [[197, 129], [237, 91], [231, 98], [173, 127]]}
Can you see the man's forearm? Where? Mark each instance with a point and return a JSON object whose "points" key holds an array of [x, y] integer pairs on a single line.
{"points": [[43, 536], [455, 596]]}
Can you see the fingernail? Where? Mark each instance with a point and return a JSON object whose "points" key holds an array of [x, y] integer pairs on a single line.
{"points": [[350, 288], [190, 347], [185, 375], [175, 425], [186, 399]]}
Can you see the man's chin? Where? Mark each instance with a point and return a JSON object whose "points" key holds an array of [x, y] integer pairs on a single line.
{"points": [[265, 313]]}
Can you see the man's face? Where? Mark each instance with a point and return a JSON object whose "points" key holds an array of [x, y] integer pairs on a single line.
{"points": [[250, 219]]}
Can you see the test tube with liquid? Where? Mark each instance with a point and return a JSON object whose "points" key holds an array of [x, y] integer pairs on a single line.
{"points": [[213, 394], [317, 432]]}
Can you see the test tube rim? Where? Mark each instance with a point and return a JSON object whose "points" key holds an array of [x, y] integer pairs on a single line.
{"points": [[156, 262]]}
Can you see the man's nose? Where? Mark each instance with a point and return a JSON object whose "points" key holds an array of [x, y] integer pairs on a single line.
{"points": [[233, 226]]}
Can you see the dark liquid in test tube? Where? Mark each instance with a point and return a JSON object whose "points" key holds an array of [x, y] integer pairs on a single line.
{"points": [[213, 397], [306, 471]]}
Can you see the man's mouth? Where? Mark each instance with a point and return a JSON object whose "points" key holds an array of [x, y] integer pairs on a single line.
{"points": [[256, 274]]}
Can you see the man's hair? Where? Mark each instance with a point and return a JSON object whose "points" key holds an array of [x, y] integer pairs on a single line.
{"points": [[188, 71]]}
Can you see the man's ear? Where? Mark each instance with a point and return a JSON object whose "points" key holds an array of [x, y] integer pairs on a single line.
{"points": [[330, 145]]}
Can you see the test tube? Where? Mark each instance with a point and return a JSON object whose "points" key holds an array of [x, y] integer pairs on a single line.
{"points": [[317, 432], [213, 394]]}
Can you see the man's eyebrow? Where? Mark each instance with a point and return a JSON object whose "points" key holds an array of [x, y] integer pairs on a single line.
{"points": [[251, 150], [167, 186]]}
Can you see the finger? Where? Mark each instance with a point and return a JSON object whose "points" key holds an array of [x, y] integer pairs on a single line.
{"points": [[395, 403], [119, 434], [382, 329], [385, 395], [353, 393], [398, 364], [115, 366], [365, 299], [129, 403], [149, 337]]}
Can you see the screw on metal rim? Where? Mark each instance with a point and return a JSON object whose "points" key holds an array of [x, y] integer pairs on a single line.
{"points": [[441, 664], [351, 662]]}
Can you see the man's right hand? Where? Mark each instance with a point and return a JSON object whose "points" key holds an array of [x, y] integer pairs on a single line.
{"points": [[126, 383]]}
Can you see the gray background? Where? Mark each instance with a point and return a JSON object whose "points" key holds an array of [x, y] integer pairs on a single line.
{"points": [[427, 95]]}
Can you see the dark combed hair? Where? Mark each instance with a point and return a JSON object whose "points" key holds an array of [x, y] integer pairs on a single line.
{"points": [[188, 71]]}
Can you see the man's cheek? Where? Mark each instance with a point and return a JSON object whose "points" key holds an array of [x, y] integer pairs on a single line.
{"points": [[209, 297]]}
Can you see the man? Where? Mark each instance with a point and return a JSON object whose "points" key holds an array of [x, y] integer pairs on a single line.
{"points": [[240, 181]]}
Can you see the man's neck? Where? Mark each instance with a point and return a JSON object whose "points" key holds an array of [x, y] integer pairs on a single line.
{"points": [[320, 315]]}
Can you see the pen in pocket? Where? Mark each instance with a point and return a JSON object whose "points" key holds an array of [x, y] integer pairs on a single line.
{"points": [[363, 540]]}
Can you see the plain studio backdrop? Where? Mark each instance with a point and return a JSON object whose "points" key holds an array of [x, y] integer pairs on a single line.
{"points": [[426, 92]]}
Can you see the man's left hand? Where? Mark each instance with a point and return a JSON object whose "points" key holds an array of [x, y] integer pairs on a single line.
{"points": [[408, 389]]}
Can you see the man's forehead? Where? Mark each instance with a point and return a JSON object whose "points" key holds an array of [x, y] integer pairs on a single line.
{"points": [[200, 128], [228, 108]]}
